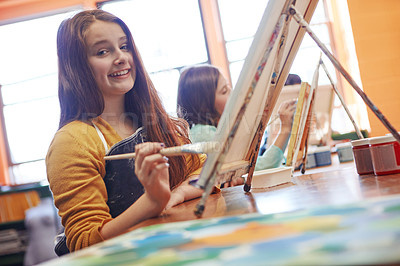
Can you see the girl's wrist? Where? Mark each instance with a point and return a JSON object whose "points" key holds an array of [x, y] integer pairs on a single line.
{"points": [[156, 206]]}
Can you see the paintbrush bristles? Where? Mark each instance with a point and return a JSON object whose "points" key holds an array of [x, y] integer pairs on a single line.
{"points": [[172, 151]]}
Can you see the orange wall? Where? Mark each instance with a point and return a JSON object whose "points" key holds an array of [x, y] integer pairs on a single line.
{"points": [[376, 30], [4, 174]]}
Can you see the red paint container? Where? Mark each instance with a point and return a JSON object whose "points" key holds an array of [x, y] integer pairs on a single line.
{"points": [[385, 154], [362, 156]]}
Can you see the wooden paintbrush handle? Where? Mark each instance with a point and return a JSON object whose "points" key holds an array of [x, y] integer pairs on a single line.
{"points": [[120, 156]]}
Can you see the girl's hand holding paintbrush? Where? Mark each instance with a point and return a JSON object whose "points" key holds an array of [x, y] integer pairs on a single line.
{"points": [[151, 168]]}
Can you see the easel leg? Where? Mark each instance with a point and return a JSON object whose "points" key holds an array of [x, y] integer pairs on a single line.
{"points": [[299, 19], [201, 205], [360, 136]]}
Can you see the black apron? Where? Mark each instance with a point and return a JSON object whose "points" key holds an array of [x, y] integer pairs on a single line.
{"points": [[123, 186]]}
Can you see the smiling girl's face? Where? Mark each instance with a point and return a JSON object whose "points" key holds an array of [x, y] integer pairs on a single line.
{"points": [[110, 58], [222, 93]]}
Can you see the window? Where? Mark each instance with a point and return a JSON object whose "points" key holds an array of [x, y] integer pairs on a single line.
{"points": [[240, 20], [28, 78], [169, 36]]}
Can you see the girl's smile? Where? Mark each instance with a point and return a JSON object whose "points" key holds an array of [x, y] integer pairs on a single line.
{"points": [[110, 59], [120, 74]]}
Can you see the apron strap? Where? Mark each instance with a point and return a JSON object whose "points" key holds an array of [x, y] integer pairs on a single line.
{"points": [[101, 137]]}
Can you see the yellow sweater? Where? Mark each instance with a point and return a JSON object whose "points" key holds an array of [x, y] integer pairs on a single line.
{"points": [[75, 170]]}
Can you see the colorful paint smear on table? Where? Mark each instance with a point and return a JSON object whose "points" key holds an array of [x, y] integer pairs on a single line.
{"points": [[362, 233]]}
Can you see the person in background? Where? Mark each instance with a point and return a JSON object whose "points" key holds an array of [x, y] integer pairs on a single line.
{"points": [[202, 94], [109, 106], [292, 79]]}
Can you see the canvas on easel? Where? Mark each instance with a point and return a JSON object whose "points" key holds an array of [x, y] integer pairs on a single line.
{"points": [[298, 142], [252, 101], [297, 130]]}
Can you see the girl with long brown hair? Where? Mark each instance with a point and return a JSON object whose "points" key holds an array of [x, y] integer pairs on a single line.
{"points": [[110, 106], [202, 94]]}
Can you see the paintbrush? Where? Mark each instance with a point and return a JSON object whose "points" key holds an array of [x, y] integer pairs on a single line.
{"points": [[196, 148]]}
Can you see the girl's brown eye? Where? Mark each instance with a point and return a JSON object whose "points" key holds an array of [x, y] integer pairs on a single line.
{"points": [[101, 52], [125, 47]]}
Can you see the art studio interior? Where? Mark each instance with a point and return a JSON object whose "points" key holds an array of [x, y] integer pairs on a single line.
{"points": [[362, 36]]}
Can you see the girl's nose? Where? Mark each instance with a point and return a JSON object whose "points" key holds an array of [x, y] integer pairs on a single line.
{"points": [[121, 58]]}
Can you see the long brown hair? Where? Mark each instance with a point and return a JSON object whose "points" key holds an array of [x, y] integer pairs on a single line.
{"points": [[81, 99], [196, 94]]}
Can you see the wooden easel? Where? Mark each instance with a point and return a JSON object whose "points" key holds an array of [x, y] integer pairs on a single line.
{"points": [[252, 101], [304, 24], [240, 130]]}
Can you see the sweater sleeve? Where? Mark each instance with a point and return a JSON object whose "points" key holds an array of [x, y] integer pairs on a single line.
{"points": [[271, 158], [201, 133], [196, 171], [75, 171]]}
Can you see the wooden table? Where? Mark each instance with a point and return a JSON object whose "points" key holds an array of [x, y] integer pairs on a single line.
{"points": [[319, 228], [338, 183]]}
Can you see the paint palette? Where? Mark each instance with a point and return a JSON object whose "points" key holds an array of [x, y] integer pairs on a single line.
{"points": [[366, 232]]}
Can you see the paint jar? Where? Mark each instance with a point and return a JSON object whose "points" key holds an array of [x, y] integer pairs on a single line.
{"points": [[345, 152], [385, 154], [323, 155], [311, 163], [362, 156]]}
